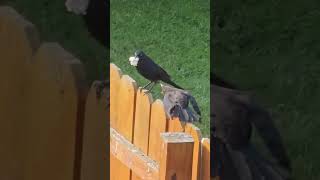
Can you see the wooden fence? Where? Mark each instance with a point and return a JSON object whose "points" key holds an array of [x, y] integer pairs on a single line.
{"points": [[146, 145], [52, 125]]}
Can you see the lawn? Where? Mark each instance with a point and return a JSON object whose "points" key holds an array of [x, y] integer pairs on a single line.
{"points": [[273, 49], [55, 24], [175, 34]]}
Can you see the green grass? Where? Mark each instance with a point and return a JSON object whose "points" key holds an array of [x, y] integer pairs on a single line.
{"points": [[175, 34], [55, 24], [273, 49]]}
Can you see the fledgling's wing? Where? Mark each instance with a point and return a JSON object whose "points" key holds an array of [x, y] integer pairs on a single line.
{"points": [[176, 103], [179, 112], [194, 105]]}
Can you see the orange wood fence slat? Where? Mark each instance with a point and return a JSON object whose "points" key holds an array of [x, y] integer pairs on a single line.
{"points": [[174, 125], [125, 124], [176, 156], [142, 122], [115, 77], [143, 166], [196, 159], [158, 125]]}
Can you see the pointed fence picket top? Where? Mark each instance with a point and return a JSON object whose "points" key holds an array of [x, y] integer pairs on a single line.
{"points": [[115, 76], [142, 124], [158, 124]]}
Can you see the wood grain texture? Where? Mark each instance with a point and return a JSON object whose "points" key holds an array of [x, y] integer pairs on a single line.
{"points": [[175, 125], [196, 160], [125, 120], [176, 156], [158, 125], [133, 157], [142, 122], [115, 77]]}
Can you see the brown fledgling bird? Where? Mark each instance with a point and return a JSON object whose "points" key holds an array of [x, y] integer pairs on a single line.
{"points": [[234, 114], [176, 104]]}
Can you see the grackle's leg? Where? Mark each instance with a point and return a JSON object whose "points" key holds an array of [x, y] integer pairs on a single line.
{"points": [[152, 86], [144, 87]]}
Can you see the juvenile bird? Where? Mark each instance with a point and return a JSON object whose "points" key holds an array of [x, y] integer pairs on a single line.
{"points": [[176, 104], [150, 70], [234, 114]]}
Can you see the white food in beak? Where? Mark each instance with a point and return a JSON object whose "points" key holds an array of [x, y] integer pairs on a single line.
{"points": [[134, 61]]}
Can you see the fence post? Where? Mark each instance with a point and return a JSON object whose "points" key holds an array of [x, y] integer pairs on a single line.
{"points": [[176, 156]]}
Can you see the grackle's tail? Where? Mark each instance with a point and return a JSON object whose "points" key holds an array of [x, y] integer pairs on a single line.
{"points": [[172, 83]]}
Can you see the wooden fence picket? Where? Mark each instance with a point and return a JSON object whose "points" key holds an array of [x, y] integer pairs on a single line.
{"points": [[158, 125], [115, 79], [176, 156], [196, 162], [142, 122], [126, 102], [175, 125], [115, 76]]}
